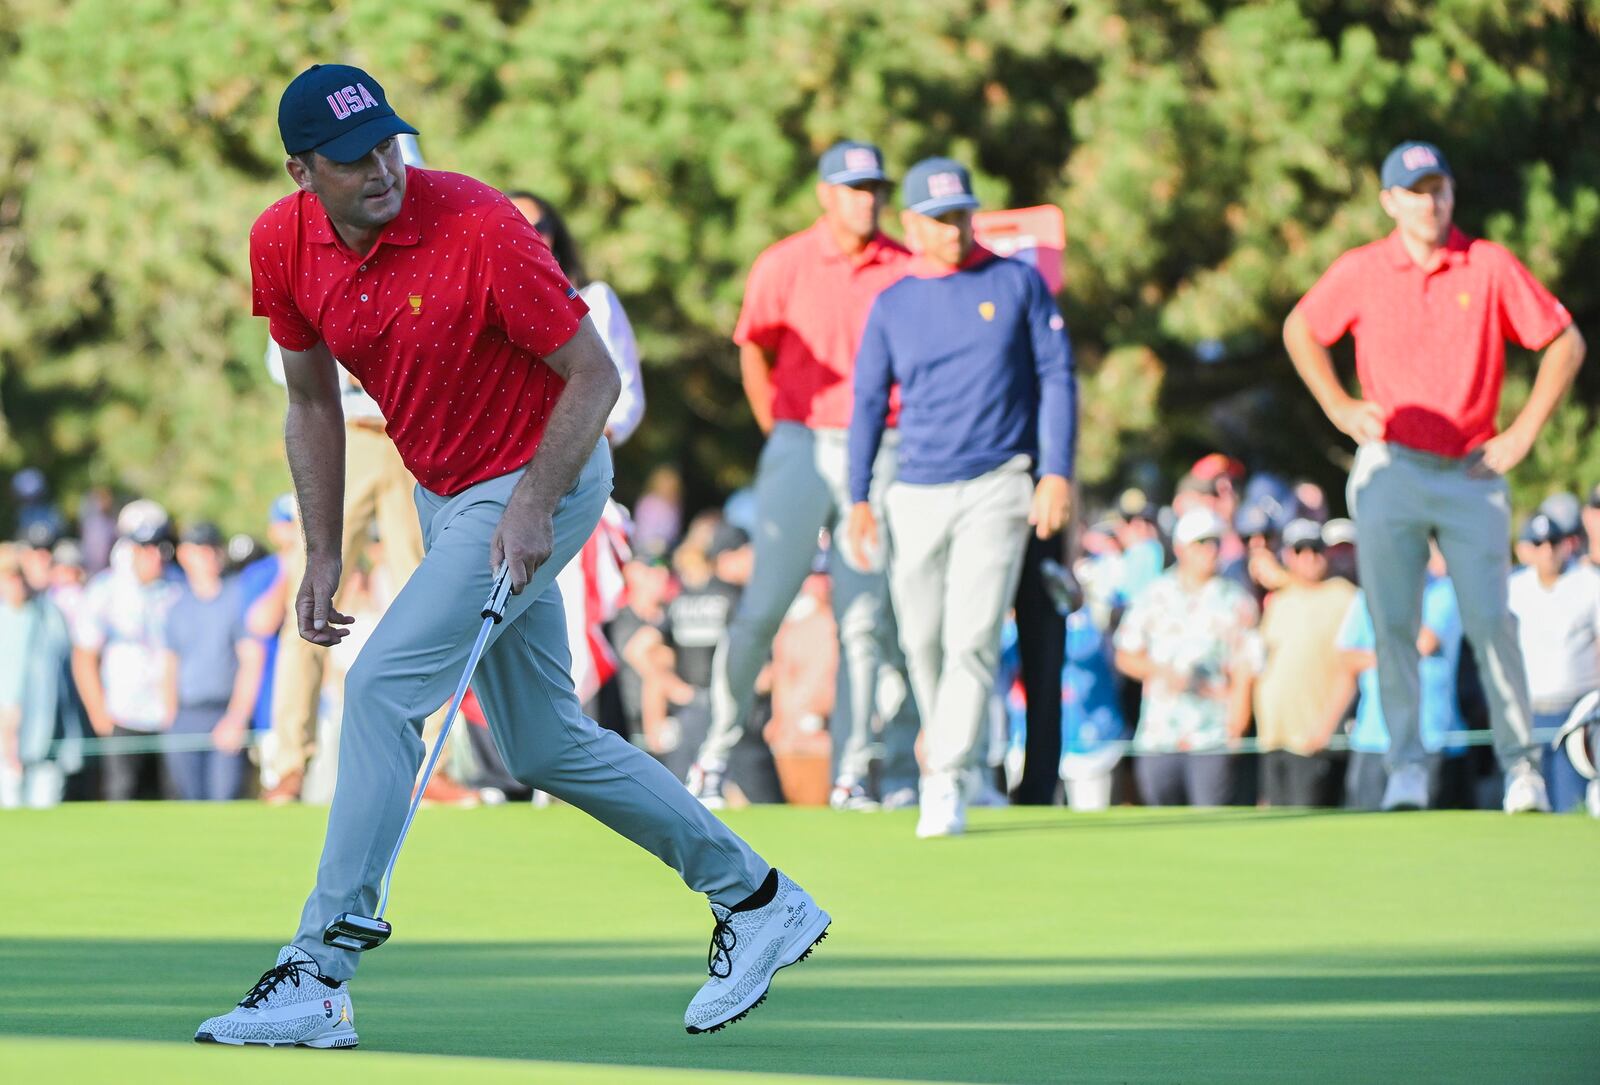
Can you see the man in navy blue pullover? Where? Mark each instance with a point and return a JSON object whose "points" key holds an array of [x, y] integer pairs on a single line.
{"points": [[988, 406]]}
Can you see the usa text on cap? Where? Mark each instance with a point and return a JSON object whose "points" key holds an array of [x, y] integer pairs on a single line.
{"points": [[338, 111], [850, 163], [1411, 162], [936, 185]]}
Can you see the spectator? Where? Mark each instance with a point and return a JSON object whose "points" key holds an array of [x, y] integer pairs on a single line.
{"points": [[649, 687], [1143, 555], [36, 550], [214, 667], [1300, 674], [658, 514], [1339, 547], [264, 591], [981, 461], [1439, 712], [40, 725], [34, 510], [67, 578], [1591, 526], [1430, 460], [605, 309], [1556, 600], [97, 526], [117, 657], [1189, 641]]}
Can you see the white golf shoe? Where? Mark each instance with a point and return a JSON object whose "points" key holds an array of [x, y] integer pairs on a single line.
{"points": [[1525, 792], [943, 808], [1407, 789], [748, 948], [291, 1005]]}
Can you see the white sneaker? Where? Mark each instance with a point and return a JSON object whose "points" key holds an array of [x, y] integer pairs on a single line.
{"points": [[748, 948], [1592, 798], [291, 1005], [1525, 793], [849, 795], [1407, 789], [944, 813], [705, 784]]}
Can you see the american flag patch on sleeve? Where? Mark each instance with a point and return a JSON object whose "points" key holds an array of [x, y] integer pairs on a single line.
{"points": [[572, 292]]}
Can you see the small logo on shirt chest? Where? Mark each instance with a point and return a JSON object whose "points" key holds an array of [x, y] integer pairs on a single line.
{"points": [[986, 310], [1464, 299], [416, 304]]}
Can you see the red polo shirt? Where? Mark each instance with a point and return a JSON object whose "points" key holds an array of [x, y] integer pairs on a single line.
{"points": [[806, 302], [445, 322], [1430, 343]]}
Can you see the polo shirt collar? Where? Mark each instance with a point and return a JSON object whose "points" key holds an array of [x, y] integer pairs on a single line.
{"points": [[923, 268], [1453, 252]]}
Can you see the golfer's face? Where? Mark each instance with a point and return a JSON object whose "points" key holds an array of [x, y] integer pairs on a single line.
{"points": [[945, 239], [855, 207], [365, 193], [1425, 211]]}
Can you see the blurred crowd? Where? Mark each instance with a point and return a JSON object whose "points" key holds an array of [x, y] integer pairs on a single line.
{"points": [[1229, 618]]}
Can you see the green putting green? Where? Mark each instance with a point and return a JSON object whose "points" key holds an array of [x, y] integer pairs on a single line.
{"points": [[532, 945]]}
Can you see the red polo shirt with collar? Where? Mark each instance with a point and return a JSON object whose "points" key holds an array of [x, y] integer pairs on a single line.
{"points": [[806, 303], [445, 322], [1430, 342]]}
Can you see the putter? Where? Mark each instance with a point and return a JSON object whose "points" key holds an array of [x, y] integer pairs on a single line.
{"points": [[359, 932]]}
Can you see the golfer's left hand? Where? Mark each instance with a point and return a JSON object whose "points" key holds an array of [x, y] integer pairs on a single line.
{"points": [[1052, 506], [523, 541], [1503, 452]]}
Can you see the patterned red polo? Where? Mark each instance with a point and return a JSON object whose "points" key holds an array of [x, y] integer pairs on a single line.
{"points": [[1430, 342], [806, 302], [445, 322]]}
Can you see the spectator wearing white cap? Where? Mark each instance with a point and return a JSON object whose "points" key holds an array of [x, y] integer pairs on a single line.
{"points": [[117, 657], [1300, 673], [1556, 600], [1190, 640]]}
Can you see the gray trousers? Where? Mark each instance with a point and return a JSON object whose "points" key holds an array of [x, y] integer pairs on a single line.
{"points": [[801, 488], [958, 550], [1400, 497], [410, 666]]}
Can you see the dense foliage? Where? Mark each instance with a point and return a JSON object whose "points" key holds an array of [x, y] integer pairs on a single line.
{"points": [[1212, 157]]}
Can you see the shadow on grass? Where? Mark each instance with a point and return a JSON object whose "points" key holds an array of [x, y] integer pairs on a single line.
{"points": [[1326, 1015]]}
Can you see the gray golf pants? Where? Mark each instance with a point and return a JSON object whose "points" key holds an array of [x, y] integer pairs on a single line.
{"points": [[802, 487], [958, 550], [1399, 497], [411, 665]]}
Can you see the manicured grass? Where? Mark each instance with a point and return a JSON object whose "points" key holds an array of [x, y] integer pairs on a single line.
{"points": [[531, 945]]}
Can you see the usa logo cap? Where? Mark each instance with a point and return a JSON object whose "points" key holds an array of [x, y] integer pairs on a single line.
{"points": [[936, 185], [850, 163], [1411, 162], [338, 111]]}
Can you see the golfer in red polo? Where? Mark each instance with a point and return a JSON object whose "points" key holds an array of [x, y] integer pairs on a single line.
{"points": [[1431, 310], [443, 301]]}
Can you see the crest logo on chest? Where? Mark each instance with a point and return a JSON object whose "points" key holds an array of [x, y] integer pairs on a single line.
{"points": [[416, 304], [986, 310]]}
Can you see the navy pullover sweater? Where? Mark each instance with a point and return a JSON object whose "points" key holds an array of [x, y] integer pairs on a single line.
{"points": [[985, 372]]}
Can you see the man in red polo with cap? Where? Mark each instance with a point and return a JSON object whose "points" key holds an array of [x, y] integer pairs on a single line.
{"points": [[437, 295], [805, 304], [1431, 310]]}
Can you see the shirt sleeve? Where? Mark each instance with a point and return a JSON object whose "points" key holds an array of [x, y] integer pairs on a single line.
{"points": [[271, 246], [1530, 314], [1058, 382], [529, 298], [762, 320], [1355, 632], [1331, 306], [873, 378], [617, 333], [88, 628]]}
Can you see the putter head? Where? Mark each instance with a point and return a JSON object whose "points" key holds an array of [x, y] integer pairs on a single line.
{"points": [[356, 932]]}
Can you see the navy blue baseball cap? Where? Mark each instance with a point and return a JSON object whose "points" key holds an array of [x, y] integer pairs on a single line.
{"points": [[1411, 162], [1542, 529], [850, 163], [338, 111], [936, 185]]}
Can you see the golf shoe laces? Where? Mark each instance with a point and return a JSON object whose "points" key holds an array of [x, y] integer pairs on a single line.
{"points": [[723, 939], [273, 978]]}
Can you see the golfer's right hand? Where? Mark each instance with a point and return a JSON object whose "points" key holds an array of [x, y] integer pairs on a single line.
{"points": [[1362, 420], [319, 622]]}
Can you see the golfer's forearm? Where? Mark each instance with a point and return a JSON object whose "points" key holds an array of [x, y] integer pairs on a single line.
{"points": [[314, 437], [755, 372], [1314, 364], [574, 428], [1557, 369]]}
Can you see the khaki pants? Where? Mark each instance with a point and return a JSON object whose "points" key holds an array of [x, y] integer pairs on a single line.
{"points": [[377, 489], [958, 549], [412, 663]]}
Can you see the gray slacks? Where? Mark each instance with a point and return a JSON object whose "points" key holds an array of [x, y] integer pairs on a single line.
{"points": [[958, 549], [410, 666], [1399, 497], [801, 488]]}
